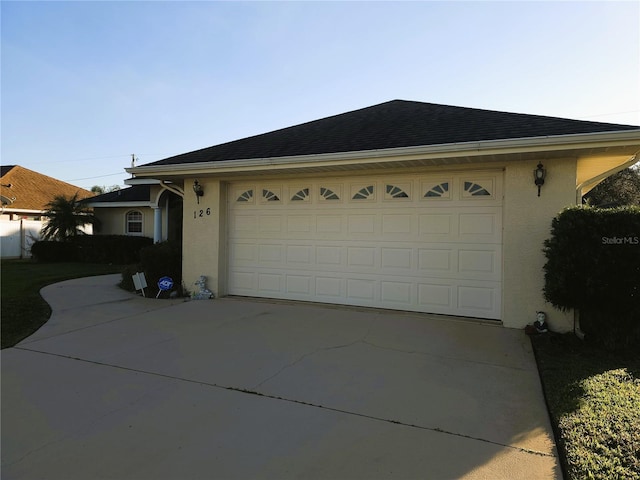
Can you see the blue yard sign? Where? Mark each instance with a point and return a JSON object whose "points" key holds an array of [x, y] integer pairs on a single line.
{"points": [[164, 284]]}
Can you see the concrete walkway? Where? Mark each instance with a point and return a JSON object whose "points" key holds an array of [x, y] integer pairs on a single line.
{"points": [[116, 386]]}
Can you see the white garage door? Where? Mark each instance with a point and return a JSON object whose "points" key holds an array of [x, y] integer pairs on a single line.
{"points": [[419, 243]]}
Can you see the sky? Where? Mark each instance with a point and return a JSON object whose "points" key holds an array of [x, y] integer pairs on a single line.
{"points": [[84, 85]]}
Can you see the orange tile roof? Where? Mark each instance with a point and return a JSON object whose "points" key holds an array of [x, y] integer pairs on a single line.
{"points": [[32, 190]]}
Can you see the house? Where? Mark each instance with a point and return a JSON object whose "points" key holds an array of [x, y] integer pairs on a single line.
{"points": [[24, 195], [403, 205], [144, 209]]}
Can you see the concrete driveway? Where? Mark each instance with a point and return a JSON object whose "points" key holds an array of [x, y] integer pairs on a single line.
{"points": [[121, 387]]}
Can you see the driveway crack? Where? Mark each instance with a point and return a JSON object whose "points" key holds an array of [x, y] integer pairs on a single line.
{"points": [[321, 349], [302, 357]]}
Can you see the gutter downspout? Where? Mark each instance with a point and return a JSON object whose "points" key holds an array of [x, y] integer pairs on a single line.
{"points": [[632, 161]]}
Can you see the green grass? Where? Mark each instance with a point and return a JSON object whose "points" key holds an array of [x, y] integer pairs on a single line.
{"points": [[23, 311], [593, 398]]}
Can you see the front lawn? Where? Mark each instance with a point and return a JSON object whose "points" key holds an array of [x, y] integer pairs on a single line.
{"points": [[593, 398], [23, 311]]}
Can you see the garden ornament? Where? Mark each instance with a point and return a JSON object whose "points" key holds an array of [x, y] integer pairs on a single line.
{"points": [[204, 293]]}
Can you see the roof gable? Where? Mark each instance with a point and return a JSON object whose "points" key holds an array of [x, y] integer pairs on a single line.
{"points": [[394, 124], [33, 190]]}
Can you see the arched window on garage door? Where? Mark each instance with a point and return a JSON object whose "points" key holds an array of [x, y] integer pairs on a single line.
{"points": [[134, 223]]}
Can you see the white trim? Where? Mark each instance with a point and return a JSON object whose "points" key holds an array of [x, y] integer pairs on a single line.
{"points": [[142, 181], [9, 209]]}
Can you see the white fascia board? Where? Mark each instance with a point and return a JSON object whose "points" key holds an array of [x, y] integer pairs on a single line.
{"points": [[25, 211], [142, 181], [449, 150], [118, 204]]}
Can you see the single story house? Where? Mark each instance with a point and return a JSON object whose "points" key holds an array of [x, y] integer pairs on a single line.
{"points": [[403, 205], [144, 209], [24, 195]]}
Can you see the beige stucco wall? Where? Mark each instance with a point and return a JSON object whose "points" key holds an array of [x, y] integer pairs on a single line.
{"points": [[204, 236], [113, 220], [527, 223]]}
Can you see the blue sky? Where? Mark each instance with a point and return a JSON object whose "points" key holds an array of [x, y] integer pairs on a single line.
{"points": [[86, 84]]}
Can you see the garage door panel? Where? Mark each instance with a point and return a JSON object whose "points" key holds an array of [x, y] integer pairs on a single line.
{"points": [[397, 224], [330, 287], [244, 224], [397, 258], [269, 224], [242, 282], [300, 284], [436, 297], [394, 246], [479, 264], [359, 257], [243, 253], [399, 293], [435, 227], [329, 225], [300, 254], [299, 224], [330, 255], [270, 282], [361, 224], [270, 254], [359, 289]]}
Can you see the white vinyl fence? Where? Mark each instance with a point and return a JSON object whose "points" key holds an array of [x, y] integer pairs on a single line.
{"points": [[17, 236]]}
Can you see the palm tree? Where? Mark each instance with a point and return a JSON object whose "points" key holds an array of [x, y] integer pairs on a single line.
{"points": [[66, 216]]}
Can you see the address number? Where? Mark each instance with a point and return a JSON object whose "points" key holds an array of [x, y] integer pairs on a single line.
{"points": [[201, 213]]}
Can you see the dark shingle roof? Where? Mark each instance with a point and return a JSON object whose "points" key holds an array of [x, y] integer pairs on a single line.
{"points": [[136, 193], [398, 123]]}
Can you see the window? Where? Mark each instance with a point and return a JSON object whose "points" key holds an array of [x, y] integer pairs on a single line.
{"points": [[246, 196], [134, 223], [439, 190], [328, 194], [475, 190], [363, 193]]}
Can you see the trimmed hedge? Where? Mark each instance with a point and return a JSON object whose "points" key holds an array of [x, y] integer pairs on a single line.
{"points": [[115, 249], [593, 266], [48, 251]]}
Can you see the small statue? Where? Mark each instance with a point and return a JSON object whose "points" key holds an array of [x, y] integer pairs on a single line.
{"points": [[539, 326], [541, 322], [204, 293]]}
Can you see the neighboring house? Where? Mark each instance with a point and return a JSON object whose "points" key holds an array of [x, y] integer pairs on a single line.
{"points": [[141, 210], [24, 195], [403, 205]]}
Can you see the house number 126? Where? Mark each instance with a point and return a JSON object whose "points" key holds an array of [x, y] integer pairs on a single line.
{"points": [[201, 213]]}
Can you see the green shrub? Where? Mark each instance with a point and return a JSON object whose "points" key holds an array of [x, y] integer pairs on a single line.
{"points": [[157, 261], [593, 265], [116, 249], [105, 249], [46, 251]]}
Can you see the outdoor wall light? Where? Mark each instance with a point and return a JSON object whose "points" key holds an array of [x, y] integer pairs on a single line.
{"points": [[538, 176], [197, 188]]}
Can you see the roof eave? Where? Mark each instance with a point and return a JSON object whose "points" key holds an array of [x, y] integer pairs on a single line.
{"points": [[471, 150], [118, 204]]}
